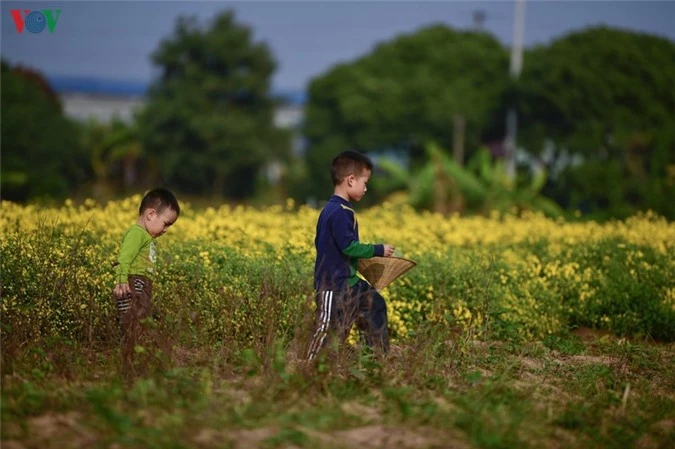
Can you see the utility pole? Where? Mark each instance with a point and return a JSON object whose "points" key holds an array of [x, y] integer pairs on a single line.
{"points": [[479, 17], [514, 72]]}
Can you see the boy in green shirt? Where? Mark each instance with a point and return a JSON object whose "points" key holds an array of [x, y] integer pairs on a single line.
{"points": [[133, 284]]}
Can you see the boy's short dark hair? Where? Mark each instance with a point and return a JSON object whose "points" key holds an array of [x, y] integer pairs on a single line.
{"points": [[348, 163], [159, 199]]}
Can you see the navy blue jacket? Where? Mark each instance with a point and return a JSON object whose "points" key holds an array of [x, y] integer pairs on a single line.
{"points": [[338, 249]]}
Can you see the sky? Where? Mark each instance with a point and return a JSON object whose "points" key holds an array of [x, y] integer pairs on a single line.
{"points": [[114, 40]]}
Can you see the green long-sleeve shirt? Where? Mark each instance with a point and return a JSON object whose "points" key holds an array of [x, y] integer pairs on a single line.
{"points": [[355, 251], [137, 254]]}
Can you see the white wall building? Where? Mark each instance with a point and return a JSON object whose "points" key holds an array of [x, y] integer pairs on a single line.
{"points": [[103, 100], [102, 107]]}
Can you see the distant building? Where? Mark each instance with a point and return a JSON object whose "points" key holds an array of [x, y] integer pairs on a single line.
{"points": [[85, 98], [102, 107]]}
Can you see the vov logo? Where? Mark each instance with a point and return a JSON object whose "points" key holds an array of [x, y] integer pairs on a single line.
{"points": [[35, 21]]}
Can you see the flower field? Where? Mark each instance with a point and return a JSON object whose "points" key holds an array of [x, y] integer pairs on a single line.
{"points": [[511, 331], [515, 277]]}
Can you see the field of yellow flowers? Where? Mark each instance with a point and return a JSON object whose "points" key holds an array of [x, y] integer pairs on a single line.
{"points": [[491, 342], [227, 271]]}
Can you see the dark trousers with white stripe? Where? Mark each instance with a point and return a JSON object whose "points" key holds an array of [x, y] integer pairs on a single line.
{"points": [[338, 311]]}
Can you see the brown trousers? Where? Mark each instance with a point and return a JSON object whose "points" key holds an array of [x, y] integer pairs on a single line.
{"points": [[132, 311]]}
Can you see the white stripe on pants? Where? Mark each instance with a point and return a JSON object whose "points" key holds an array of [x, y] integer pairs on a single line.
{"points": [[325, 309]]}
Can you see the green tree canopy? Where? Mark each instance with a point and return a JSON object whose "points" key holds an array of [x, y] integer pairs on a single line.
{"points": [[595, 88], [209, 117], [606, 95], [405, 93], [41, 155]]}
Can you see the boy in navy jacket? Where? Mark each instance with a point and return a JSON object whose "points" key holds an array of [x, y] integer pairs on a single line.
{"points": [[342, 298]]}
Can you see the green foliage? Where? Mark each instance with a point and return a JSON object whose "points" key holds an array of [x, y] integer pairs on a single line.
{"points": [[404, 93], [595, 106], [460, 393], [210, 112], [41, 155], [287, 436], [480, 355], [443, 185], [595, 89], [629, 303], [604, 95], [212, 294], [491, 417], [116, 156], [473, 290], [564, 343]]}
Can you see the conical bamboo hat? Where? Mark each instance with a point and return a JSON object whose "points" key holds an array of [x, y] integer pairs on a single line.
{"points": [[382, 271]]}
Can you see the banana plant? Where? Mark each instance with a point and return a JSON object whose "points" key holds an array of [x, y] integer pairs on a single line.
{"points": [[444, 186], [109, 143]]}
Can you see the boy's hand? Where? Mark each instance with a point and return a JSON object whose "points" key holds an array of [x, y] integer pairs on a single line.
{"points": [[388, 250], [122, 290]]}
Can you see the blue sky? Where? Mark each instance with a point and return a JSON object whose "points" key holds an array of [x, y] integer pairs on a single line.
{"points": [[113, 40]]}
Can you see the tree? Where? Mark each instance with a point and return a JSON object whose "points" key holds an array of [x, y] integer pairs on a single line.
{"points": [[114, 153], [209, 117], [41, 155], [126, 150], [404, 93], [482, 186], [605, 96]]}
